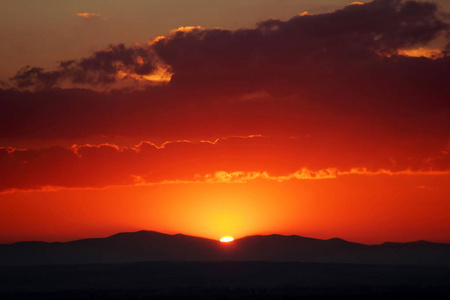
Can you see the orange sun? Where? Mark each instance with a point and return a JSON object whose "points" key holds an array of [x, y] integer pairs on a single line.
{"points": [[226, 239]]}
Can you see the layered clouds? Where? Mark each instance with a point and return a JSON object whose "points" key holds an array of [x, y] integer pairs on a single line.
{"points": [[237, 159], [317, 96]]}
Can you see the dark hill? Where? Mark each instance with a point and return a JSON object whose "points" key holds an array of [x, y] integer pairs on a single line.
{"points": [[154, 246]]}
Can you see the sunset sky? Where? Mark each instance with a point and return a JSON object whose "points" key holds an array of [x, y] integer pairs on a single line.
{"points": [[221, 118]]}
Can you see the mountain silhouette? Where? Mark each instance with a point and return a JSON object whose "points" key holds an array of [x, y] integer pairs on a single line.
{"points": [[154, 246]]}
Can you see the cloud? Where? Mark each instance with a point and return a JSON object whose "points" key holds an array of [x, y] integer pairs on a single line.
{"points": [[422, 52], [236, 159], [117, 63], [304, 48], [304, 174], [347, 40], [86, 15]]}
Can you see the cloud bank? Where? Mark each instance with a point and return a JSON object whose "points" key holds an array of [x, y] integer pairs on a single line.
{"points": [[347, 40], [361, 87]]}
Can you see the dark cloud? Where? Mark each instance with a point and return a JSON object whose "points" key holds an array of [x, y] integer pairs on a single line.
{"points": [[304, 47], [99, 69]]}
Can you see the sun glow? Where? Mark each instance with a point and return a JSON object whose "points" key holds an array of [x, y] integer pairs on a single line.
{"points": [[226, 239]]}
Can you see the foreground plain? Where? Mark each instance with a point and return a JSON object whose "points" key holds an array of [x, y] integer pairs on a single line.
{"points": [[225, 280]]}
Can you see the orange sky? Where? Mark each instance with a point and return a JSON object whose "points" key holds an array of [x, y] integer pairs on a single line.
{"points": [[362, 208], [324, 125]]}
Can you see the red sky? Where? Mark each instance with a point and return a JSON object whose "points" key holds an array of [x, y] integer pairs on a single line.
{"points": [[328, 124]]}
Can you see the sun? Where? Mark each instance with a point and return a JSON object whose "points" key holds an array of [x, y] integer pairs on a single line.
{"points": [[226, 239]]}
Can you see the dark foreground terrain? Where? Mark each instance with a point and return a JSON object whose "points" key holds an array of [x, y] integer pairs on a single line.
{"points": [[225, 280]]}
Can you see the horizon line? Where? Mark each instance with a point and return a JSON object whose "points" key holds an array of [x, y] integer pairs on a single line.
{"points": [[218, 240]]}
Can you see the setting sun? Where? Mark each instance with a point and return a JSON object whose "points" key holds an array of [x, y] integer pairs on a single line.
{"points": [[226, 239]]}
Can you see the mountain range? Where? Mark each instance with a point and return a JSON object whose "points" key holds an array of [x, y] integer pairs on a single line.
{"points": [[154, 246]]}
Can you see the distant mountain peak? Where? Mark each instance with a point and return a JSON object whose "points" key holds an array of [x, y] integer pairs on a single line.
{"points": [[140, 232], [339, 240], [417, 243]]}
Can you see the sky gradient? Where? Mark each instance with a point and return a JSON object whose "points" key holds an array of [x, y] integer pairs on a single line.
{"points": [[327, 123]]}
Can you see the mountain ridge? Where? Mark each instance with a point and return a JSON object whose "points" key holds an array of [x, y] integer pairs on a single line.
{"points": [[244, 237], [146, 245]]}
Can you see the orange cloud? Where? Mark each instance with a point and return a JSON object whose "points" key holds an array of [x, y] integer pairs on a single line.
{"points": [[422, 52], [161, 74], [239, 177], [303, 174], [184, 29], [243, 177], [305, 13], [86, 15]]}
